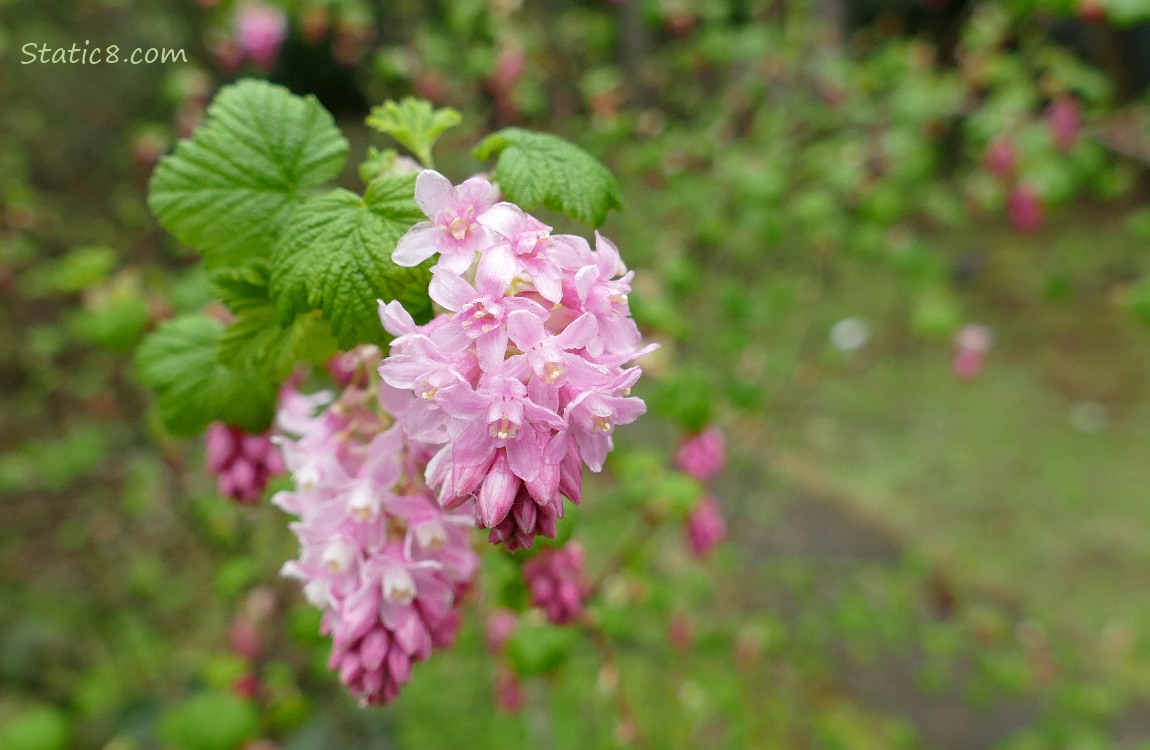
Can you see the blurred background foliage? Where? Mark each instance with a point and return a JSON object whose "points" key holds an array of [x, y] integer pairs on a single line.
{"points": [[925, 550]]}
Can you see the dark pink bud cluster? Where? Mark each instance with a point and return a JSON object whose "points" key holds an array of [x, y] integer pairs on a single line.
{"points": [[557, 583], [242, 463], [524, 376]]}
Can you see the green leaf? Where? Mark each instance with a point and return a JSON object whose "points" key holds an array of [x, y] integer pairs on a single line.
{"points": [[538, 649], [229, 190], [36, 727], [336, 257], [256, 340], [210, 721], [540, 169], [179, 361], [413, 123]]}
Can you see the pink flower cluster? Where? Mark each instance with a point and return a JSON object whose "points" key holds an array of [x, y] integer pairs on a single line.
{"points": [[484, 415], [242, 463], [523, 377], [380, 557]]}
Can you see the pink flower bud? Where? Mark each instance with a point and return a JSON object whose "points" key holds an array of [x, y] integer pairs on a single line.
{"points": [[703, 455], [705, 526]]}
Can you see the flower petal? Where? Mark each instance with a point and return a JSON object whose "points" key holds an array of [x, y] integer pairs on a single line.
{"points": [[525, 329], [432, 191], [449, 290], [496, 269], [416, 246]]}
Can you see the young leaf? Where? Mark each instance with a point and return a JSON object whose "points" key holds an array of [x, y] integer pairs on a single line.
{"points": [[537, 168], [336, 257], [178, 361], [256, 340], [228, 191], [413, 123]]}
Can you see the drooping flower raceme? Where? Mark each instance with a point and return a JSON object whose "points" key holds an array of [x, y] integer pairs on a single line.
{"points": [[380, 558], [483, 416], [526, 373]]}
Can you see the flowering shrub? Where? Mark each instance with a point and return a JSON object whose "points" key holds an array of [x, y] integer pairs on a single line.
{"points": [[483, 415]]}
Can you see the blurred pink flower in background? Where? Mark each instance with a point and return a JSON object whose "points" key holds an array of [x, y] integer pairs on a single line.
{"points": [[557, 584], [1025, 209], [241, 462], [703, 455], [705, 526], [1000, 158], [971, 344], [1064, 117], [260, 31], [509, 697], [500, 625]]}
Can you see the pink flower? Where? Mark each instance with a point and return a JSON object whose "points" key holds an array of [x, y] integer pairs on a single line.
{"points": [[242, 463], [482, 310], [1000, 158], [594, 289], [1064, 117], [501, 624], [509, 696], [705, 526], [1025, 208], [454, 231], [971, 344], [593, 414], [539, 254], [500, 438], [557, 583], [703, 455], [260, 30]]}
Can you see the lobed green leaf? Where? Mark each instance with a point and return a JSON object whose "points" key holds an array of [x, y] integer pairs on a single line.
{"points": [[229, 190], [336, 257], [256, 340], [193, 388], [414, 123], [541, 169]]}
